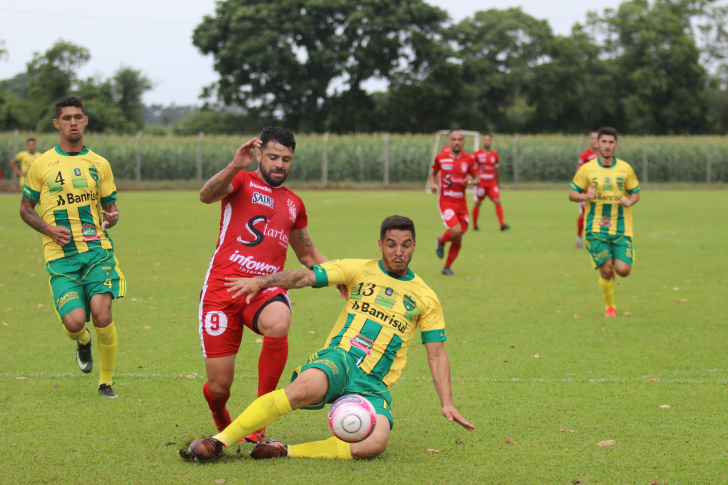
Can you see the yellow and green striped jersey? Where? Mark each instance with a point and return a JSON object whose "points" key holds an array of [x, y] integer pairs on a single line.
{"points": [[71, 190], [381, 316], [604, 215]]}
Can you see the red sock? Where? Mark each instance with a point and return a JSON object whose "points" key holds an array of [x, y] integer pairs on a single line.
{"points": [[499, 213], [476, 213], [272, 361], [217, 405], [447, 237], [579, 225], [452, 254]]}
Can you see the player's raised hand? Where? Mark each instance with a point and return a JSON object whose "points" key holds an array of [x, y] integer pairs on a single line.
{"points": [[59, 234], [452, 414], [242, 286], [110, 219], [245, 154]]}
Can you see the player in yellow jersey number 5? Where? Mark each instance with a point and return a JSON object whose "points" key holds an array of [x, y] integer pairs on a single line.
{"points": [[75, 189], [364, 354], [610, 188]]}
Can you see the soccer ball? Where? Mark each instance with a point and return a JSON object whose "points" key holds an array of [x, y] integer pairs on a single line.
{"points": [[352, 418]]}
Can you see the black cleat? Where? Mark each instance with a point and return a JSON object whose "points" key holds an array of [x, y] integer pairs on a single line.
{"points": [[84, 359], [447, 272], [440, 249], [476, 228], [105, 390], [505, 227], [206, 450], [269, 449]]}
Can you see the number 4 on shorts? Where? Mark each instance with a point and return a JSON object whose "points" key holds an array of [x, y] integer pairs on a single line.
{"points": [[108, 283]]}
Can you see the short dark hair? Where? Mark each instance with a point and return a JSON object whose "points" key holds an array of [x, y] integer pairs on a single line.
{"points": [[605, 130], [66, 102], [30, 139], [278, 135], [397, 222], [487, 134]]}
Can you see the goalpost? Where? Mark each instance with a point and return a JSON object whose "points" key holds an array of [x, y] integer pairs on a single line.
{"points": [[437, 147]]}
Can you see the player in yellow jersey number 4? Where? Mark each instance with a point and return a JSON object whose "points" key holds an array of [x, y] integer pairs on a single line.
{"points": [[610, 188], [364, 354], [75, 189]]}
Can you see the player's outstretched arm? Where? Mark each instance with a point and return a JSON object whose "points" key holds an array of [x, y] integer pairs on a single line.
{"points": [[219, 186], [440, 370], [289, 279], [308, 255], [59, 234]]}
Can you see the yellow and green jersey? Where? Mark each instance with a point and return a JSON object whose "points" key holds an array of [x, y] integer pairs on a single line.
{"points": [[604, 215], [24, 158], [381, 315], [71, 190]]}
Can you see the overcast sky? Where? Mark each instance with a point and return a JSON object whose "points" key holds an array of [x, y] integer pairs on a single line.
{"points": [[156, 36]]}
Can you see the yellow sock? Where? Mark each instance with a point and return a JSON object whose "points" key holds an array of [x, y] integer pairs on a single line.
{"points": [[330, 448], [107, 341], [607, 287], [259, 414], [81, 336]]}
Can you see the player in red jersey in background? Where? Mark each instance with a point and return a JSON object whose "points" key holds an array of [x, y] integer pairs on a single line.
{"points": [[586, 156], [488, 163], [260, 217], [456, 169]]}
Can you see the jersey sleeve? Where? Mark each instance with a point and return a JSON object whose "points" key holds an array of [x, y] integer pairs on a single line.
{"points": [[632, 184], [336, 272], [301, 218], [436, 165], [497, 160], [432, 322], [237, 181], [473, 167], [33, 182], [106, 185], [581, 180]]}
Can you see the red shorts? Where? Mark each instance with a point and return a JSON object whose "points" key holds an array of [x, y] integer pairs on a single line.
{"points": [[453, 213], [481, 192], [222, 318]]}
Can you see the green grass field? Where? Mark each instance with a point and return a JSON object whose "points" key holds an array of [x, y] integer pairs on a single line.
{"points": [[516, 294]]}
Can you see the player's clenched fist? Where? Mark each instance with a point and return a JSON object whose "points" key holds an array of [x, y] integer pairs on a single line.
{"points": [[59, 234], [244, 155], [625, 202], [591, 193]]}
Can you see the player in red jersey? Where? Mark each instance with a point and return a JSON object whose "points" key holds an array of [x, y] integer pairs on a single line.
{"points": [[488, 167], [446, 149], [260, 218], [456, 169], [587, 155]]}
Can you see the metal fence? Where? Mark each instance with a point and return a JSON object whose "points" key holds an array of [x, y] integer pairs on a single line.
{"points": [[389, 159]]}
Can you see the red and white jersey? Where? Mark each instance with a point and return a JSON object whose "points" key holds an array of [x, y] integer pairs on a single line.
{"points": [[254, 228], [453, 173], [587, 156], [487, 162], [446, 149]]}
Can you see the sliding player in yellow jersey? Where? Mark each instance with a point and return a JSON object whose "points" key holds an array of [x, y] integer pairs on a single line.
{"points": [[365, 352], [610, 188], [77, 196]]}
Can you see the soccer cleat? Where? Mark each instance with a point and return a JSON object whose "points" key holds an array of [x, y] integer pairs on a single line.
{"points": [[269, 449], [440, 249], [257, 437], [105, 390], [579, 242], [505, 227], [610, 312], [447, 272], [84, 359], [476, 228], [205, 450]]}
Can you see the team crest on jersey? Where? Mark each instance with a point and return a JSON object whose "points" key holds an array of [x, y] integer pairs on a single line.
{"points": [[409, 303], [262, 199], [388, 291], [89, 232], [620, 183], [464, 167], [77, 171], [94, 175], [605, 222], [292, 209], [362, 343]]}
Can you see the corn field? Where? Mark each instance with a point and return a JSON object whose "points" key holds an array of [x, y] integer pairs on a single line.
{"points": [[359, 159]]}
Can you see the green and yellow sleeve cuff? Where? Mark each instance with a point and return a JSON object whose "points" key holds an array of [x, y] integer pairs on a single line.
{"points": [[32, 194], [322, 279], [109, 199], [634, 191], [430, 336], [576, 187]]}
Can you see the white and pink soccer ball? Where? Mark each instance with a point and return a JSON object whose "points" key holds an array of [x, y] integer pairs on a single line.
{"points": [[352, 418]]}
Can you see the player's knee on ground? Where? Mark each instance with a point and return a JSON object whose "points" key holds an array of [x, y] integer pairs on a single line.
{"points": [[275, 320], [75, 320]]}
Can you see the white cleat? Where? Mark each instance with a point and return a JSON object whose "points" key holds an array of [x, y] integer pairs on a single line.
{"points": [[579, 242]]}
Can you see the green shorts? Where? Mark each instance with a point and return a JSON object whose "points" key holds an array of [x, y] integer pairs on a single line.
{"points": [[603, 247], [75, 279], [346, 378]]}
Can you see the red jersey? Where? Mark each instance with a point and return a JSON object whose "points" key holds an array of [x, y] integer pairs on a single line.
{"points": [[446, 149], [254, 227], [453, 173], [587, 156], [487, 162]]}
